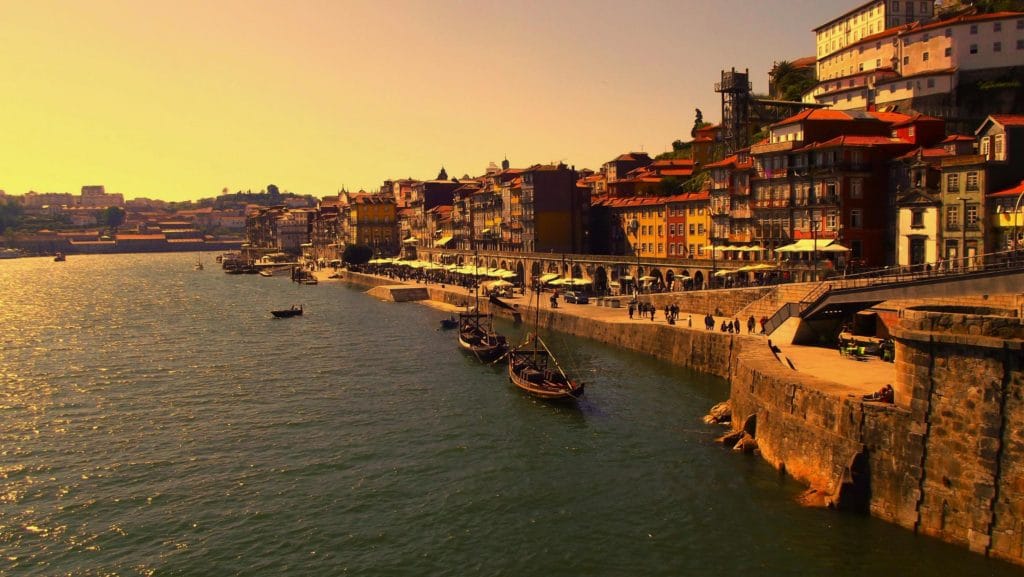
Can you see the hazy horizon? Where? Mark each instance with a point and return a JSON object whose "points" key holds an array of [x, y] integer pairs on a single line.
{"points": [[177, 101]]}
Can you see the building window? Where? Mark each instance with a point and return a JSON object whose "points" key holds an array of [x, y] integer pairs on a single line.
{"points": [[856, 218], [949, 32], [693, 229], [660, 247], [974, 28], [997, 26], [878, 63], [830, 221], [984, 148], [924, 57], [972, 181], [917, 218], [855, 188], [948, 52], [1020, 45], [953, 183], [998, 150], [672, 230], [691, 249], [952, 217], [973, 49], [931, 83], [906, 60], [997, 47], [972, 215]]}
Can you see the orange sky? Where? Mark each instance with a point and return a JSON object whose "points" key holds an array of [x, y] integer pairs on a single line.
{"points": [[177, 100]]}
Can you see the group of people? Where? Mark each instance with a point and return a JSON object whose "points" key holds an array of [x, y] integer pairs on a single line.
{"points": [[733, 326], [643, 310]]}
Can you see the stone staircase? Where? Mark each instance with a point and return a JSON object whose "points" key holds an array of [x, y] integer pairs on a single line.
{"points": [[773, 301]]}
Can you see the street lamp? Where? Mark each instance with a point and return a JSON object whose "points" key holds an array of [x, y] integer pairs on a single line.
{"points": [[963, 232], [814, 241]]}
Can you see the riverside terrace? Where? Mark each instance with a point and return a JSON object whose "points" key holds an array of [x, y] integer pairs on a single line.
{"points": [[848, 375], [612, 274]]}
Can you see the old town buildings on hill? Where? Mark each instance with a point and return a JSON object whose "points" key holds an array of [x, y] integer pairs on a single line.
{"points": [[909, 153]]}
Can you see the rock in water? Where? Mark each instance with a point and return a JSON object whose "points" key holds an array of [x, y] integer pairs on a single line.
{"points": [[720, 413]]}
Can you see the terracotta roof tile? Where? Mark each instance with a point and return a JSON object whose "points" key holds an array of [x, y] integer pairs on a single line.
{"points": [[1015, 191]]}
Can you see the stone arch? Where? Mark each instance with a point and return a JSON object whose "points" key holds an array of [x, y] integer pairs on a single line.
{"points": [[536, 269], [670, 278], [656, 273], [519, 271], [698, 279], [460, 260], [494, 263], [553, 267], [600, 280], [503, 265], [577, 271]]}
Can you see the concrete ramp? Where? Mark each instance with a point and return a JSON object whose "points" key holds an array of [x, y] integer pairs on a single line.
{"points": [[788, 332], [399, 293]]}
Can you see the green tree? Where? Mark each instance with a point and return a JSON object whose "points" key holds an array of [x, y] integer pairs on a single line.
{"points": [[357, 254], [113, 217], [10, 214], [790, 82]]}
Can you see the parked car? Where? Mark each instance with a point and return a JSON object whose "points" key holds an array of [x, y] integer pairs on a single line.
{"points": [[576, 297]]}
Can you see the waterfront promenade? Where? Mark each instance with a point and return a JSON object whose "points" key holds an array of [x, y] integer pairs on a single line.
{"points": [[835, 374]]}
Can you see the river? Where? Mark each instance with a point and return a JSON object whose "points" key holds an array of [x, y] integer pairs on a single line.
{"points": [[155, 420]]}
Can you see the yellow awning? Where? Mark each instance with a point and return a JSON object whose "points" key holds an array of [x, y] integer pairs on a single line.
{"points": [[444, 240], [548, 277], [410, 240]]}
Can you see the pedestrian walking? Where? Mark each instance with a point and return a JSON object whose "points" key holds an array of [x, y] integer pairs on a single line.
{"points": [[750, 325], [632, 308]]}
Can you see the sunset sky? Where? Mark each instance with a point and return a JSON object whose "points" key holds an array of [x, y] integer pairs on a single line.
{"points": [[177, 100]]}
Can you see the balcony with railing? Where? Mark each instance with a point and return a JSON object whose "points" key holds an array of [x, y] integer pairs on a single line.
{"points": [[741, 213], [741, 236]]}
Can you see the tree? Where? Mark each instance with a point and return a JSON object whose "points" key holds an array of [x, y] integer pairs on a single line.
{"points": [[113, 217], [357, 254], [272, 190], [789, 82], [10, 214]]}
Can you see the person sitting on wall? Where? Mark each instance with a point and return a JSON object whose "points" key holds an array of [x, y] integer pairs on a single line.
{"points": [[884, 395]]}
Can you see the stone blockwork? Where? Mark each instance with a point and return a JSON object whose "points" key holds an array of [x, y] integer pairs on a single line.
{"points": [[946, 460], [961, 367], [729, 301]]}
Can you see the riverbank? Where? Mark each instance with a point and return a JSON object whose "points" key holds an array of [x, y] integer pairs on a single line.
{"points": [[804, 408]]}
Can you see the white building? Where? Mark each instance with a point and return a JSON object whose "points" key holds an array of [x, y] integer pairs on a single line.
{"points": [[917, 60], [867, 19]]}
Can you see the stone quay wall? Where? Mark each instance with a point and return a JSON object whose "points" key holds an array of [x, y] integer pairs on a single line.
{"points": [[961, 368]]}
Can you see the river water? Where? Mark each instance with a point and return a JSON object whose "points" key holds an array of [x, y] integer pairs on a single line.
{"points": [[155, 420]]}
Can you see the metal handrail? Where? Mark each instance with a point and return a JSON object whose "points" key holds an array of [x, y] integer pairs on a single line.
{"points": [[962, 267]]}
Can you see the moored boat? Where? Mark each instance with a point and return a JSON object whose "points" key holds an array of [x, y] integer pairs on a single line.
{"points": [[59, 257], [533, 368], [476, 336], [294, 311]]}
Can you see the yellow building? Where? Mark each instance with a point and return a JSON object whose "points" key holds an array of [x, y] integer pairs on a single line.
{"points": [[373, 223], [698, 224]]}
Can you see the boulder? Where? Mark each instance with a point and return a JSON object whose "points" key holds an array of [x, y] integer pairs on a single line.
{"points": [[720, 414]]}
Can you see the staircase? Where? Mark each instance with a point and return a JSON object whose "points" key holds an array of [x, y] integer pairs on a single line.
{"points": [[770, 304]]}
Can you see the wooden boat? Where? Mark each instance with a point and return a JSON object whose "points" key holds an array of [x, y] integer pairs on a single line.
{"points": [[477, 337], [449, 323], [476, 333], [294, 311], [533, 368]]}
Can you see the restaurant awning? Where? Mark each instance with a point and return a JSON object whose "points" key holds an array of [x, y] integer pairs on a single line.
{"points": [[443, 241], [410, 240], [546, 278], [571, 282], [808, 245], [626, 278]]}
